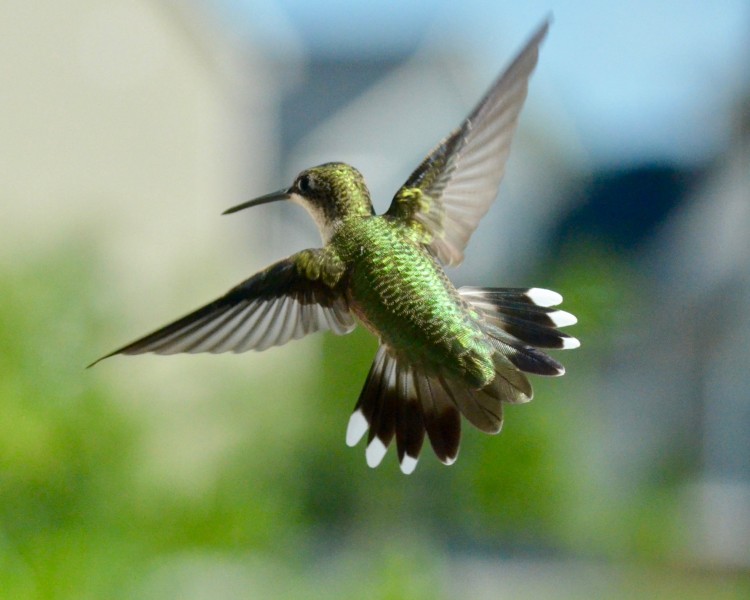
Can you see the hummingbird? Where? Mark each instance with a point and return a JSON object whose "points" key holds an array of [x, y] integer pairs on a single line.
{"points": [[443, 352]]}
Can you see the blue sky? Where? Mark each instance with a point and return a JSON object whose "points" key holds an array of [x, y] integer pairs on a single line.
{"points": [[640, 80]]}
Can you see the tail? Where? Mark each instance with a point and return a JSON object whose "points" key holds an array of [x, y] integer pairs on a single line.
{"points": [[402, 400]]}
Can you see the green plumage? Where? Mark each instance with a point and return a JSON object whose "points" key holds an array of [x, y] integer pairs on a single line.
{"points": [[403, 296]]}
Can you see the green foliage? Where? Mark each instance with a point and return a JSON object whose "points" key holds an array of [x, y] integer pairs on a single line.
{"points": [[282, 508]]}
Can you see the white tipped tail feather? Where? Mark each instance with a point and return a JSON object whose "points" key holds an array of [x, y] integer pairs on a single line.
{"points": [[356, 429], [375, 452], [542, 297], [408, 464], [408, 402], [562, 319]]}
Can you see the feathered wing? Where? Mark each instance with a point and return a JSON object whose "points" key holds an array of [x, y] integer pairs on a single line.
{"points": [[288, 300], [403, 401], [447, 195]]}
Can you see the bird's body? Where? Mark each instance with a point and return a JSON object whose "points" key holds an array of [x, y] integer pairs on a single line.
{"points": [[402, 295], [443, 351]]}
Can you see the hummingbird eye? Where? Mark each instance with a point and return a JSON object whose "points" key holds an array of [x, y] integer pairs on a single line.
{"points": [[304, 184]]}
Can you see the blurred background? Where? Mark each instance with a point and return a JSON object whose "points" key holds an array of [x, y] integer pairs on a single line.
{"points": [[127, 127]]}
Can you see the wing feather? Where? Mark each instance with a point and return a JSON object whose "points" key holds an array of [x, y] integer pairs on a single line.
{"points": [[452, 189], [288, 300]]}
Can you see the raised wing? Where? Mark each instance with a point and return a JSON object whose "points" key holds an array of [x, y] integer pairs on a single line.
{"points": [[446, 196], [289, 299]]}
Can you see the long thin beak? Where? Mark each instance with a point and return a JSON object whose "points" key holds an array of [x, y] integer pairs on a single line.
{"points": [[272, 197]]}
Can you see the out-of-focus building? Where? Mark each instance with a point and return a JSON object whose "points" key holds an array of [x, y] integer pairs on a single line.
{"points": [[675, 388], [123, 117], [126, 128], [703, 273]]}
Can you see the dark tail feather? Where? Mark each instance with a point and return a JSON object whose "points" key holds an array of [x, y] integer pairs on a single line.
{"points": [[441, 418], [518, 319], [399, 401], [410, 427]]}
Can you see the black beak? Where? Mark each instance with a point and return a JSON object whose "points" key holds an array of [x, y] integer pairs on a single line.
{"points": [[272, 197]]}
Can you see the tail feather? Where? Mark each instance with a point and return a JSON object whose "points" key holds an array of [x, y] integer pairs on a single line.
{"points": [[403, 401], [517, 320], [481, 408], [510, 384], [522, 356], [515, 312], [383, 421], [542, 336], [410, 428], [442, 420], [533, 296], [547, 316]]}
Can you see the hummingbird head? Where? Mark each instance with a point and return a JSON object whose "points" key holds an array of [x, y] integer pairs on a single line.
{"points": [[330, 192]]}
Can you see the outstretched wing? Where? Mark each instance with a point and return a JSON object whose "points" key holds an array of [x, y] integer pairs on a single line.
{"points": [[289, 299], [446, 196]]}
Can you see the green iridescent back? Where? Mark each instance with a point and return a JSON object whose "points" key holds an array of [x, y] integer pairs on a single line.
{"points": [[401, 294]]}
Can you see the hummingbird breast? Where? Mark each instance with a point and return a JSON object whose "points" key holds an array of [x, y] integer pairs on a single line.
{"points": [[401, 293]]}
